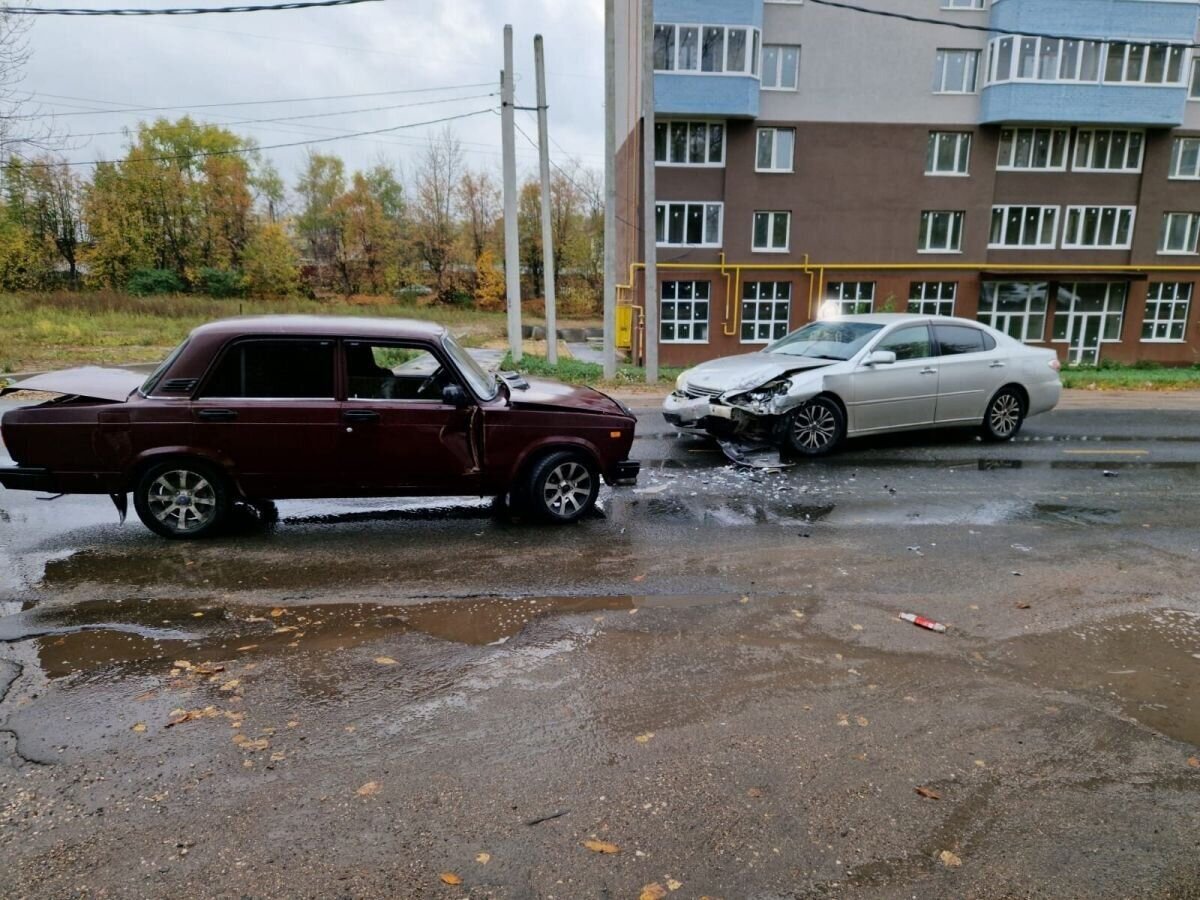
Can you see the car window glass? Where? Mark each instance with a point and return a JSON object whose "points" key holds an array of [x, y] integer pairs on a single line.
{"points": [[908, 343], [954, 340], [835, 339], [274, 369], [393, 372]]}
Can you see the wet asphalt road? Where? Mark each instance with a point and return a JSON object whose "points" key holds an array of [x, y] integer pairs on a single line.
{"points": [[709, 677]]}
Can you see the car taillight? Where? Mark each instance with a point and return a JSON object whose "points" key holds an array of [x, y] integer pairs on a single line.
{"points": [[1056, 365]]}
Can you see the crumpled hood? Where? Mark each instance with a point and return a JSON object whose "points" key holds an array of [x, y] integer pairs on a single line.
{"points": [[87, 381], [748, 370], [565, 396]]}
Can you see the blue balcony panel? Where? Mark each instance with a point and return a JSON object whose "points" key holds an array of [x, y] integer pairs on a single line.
{"points": [[1133, 19], [1099, 104], [710, 12], [721, 96]]}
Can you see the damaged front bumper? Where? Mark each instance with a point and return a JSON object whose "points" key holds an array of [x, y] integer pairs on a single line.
{"points": [[691, 412], [28, 478]]}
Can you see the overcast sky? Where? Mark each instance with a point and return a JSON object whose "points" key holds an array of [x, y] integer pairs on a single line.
{"points": [[83, 64]]}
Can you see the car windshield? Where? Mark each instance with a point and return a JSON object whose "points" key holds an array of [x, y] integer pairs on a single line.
{"points": [[482, 383], [826, 340]]}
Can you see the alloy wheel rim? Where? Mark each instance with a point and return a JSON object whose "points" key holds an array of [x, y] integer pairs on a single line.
{"points": [[1006, 413], [814, 427], [182, 500], [568, 488]]}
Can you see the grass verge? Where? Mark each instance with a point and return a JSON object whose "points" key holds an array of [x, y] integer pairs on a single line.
{"points": [[1132, 378], [574, 371]]}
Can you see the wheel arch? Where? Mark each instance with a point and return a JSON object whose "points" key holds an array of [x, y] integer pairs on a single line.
{"points": [[1017, 388], [150, 458], [535, 452]]}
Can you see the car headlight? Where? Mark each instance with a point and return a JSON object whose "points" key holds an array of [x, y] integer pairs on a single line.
{"points": [[767, 392], [681, 383]]}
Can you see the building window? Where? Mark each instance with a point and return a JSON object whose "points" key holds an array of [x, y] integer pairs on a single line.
{"points": [[1179, 233], [1167, 306], [1108, 150], [948, 153], [689, 143], [1185, 158], [941, 232], [848, 298], [780, 67], [1018, 308], [1031, 227], [1038, 149], [776, 147], [1144, 64], [963, 4], [954, 71], [1019, 58], [684, 318], [688, 224], [1100, 227], [932, 298], [1194, 86], [765, 315], [772, 232], [710, 49], [1088, 314]]}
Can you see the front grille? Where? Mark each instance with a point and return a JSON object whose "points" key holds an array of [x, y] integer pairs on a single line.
{"points": [[696, 392]]}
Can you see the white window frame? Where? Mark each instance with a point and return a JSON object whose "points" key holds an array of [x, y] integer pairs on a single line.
{"points": [[962, 154], [940, 71], [1192, 227], [1062, 311], [1177, 157], [705, 206], [1015, 144], [774, 321], [690, 124], [929, 297], [693, 321], [845, 298], [998, 319], [1156, 298], [1091, 150], [1194, 80], [750, 64], [1043, 211], [1125, 52], [778, 74], [775, 132], [1079, 213], [963, 5], [771, 215], [954, 231], [1067, 60]]}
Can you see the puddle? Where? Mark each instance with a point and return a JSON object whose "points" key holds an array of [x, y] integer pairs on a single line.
{"points": [[1077, 515], [712, 510]]}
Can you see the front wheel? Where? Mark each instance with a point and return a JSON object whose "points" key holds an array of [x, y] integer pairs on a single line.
{"points": [[182, 499], [562, 487], [1004, 416], [816, 428]]}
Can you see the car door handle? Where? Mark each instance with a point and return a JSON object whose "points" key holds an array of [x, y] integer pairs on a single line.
{"points": [[360, 415], [929, 370], [217, 415], [996, 365]]}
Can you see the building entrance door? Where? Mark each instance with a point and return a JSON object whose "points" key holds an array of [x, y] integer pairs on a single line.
{"points": [[1088, 315], [1085, 339]]}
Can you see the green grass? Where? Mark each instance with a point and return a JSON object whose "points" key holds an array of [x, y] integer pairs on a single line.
{"points": [[1139, 377], [574, 371]]}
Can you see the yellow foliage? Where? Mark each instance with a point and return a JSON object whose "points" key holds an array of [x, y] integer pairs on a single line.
{"points": [[490, 292]]}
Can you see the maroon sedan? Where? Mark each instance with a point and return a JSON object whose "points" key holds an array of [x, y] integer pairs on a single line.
{"points": [[289, 406]]}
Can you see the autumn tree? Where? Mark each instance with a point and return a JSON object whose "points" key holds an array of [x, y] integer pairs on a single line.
{"points": [[434, 225], [270, 265], [479, 205], [322, 181], [45, 197]]}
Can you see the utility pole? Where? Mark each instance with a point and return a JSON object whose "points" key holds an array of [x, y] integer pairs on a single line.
{"points": [[539, 58], [649, 232], [512, 251], [610, 190]]}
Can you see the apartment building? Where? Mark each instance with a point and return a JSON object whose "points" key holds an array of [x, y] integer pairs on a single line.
{"points": [[1043, 178]]}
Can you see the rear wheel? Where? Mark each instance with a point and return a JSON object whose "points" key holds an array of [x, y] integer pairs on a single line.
{"points": [[562, 487], [816, 428], [182, 499], [1004, 416]]}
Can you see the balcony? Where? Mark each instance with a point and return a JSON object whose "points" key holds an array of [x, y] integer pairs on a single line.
{"points": [[1148, 20], [720, 96], [1086, 104]]}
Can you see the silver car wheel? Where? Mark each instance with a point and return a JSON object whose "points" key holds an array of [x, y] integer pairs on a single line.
{"points": [[814, 427], [182, 500], [1005, 415], [567, 488]]}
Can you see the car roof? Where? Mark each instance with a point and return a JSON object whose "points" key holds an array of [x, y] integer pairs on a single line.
{"points": [[897, 318], [325, 326]]}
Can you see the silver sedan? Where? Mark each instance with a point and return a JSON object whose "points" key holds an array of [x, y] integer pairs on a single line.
{"points": [[862, 375]]}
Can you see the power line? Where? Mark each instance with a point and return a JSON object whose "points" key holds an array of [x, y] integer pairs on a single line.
{"points": [[177, 11], [989, 29]]}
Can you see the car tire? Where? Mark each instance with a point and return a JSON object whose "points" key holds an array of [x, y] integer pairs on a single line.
{"points": [[1004, 417], [815, 429], [203, 489], [561, 487]]}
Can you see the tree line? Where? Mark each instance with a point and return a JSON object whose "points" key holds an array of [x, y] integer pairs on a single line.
{"points": [[194, 207]]}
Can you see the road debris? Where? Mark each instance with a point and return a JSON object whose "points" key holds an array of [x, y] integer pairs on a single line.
{"points": [[922, 622], [949, 860], [653, 891], [450, 878], [601, 846], [540, 819], [928, 793], [1023, 604], [753, 456], [370, 789]]}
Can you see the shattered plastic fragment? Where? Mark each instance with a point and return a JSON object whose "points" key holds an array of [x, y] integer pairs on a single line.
{"points": [[753, 456]]}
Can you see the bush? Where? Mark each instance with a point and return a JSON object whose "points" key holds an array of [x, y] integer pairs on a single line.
{"points": [[146, 282], [220, 283]]}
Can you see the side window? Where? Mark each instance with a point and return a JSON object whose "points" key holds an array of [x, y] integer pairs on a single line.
{"points": [[274, 369], [955, 340], [393, 372], [908, 343]]}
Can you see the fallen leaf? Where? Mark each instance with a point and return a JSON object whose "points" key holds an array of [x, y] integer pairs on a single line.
{"points": [[754, 792], [644, 738], [601, 847], [797, 614], [370, 789], [673, 885], [980, 763], [843, 720], [856, 627], [385, 661], [182, 664], [639, 577], [197, 615], [145, 695], [277, 612], [1194, 762], [277, 757], [230, 685], [180, 716], [862, 721], [949, 860], [1023, 604], [292, 724], [208, 668], [483, 858], [928, 793], [285, 629], [139, 727], [654, 891], [744, 600], [249, 744], [450, 878]]}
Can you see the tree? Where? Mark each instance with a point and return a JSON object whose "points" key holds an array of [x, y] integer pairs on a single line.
{"points": [[529, 232], [45, 198], [479, 203], [490, 291], [435, 229], [321, 183], [270, 266]]}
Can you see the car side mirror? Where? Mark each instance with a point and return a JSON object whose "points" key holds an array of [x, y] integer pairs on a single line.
{"points": [[880, 358], [454, 395]]}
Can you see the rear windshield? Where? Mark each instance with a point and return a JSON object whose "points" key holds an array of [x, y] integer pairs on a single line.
{"points": [[156, 376]]}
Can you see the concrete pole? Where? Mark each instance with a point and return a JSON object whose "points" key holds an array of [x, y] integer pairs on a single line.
{"points": [[648, 193], [539, 57], [610, 190], [512, 250]]}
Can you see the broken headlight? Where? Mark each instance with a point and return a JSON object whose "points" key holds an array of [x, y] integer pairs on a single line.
{"points": [[759, 399]]}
